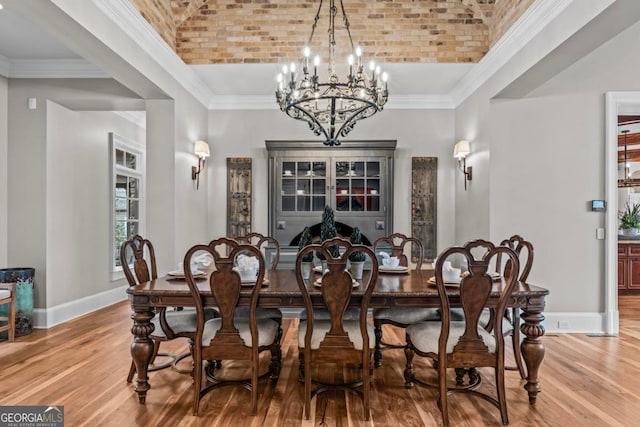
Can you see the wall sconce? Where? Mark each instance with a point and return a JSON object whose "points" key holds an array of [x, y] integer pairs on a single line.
{"points": [[202, 151], [460, 152]]}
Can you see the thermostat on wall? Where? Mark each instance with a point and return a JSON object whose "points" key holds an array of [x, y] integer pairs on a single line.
{"points": [[598, 205]]}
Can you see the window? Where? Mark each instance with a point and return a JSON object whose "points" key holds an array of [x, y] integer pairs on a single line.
{"points": [[127, 196]]}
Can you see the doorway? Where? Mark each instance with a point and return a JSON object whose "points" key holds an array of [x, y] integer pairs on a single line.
{"points": [[617, 104]]}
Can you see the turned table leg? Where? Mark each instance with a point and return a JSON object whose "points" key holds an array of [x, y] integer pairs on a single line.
{"points": [[532, 348], [142, 349]]}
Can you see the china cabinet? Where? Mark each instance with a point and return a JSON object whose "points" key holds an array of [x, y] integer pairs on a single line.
{"points": [[356, 180]]}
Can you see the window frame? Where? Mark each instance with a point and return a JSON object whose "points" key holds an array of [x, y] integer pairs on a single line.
{"points": [[119, 142]]}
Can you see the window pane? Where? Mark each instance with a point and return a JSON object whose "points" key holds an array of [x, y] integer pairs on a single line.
{"points": [[318, 186], [288, 203], [133, 209], [120, 157], [121, 186], [342, 168], [288, 168], [358, 168], [373, 168], [304, 168], [132, 229], [134, 183], [131, 161], [304, 203], [357, 204], [121, 209], [320, 168], [318, 204], [120, 236]]}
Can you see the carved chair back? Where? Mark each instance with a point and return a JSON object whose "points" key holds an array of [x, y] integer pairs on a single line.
{"points": [[397, 243], [225, 286], [260, 240], [476, 289], [133, 251], [337, 291]]}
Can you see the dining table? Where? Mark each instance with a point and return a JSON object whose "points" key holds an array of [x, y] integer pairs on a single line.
{"points": [[281, 290]]}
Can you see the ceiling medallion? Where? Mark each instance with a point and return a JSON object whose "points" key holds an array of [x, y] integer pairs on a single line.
{"points": [[331, 108]]}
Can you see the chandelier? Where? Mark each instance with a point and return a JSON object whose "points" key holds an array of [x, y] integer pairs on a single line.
{"points": [[331, 108]]}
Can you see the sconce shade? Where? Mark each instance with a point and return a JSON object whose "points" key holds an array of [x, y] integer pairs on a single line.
{"points": [[201, 149], [461, 149]]}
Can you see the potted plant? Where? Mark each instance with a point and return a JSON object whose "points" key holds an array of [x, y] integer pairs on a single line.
{"points": [[328, 231], [356, 259], [630, 220], [307, 259]]}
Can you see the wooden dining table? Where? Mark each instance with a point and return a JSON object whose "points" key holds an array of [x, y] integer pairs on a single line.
{"points": [[281, 291]]}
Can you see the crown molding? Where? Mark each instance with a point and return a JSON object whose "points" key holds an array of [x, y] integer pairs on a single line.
{"points": [[138, 118], [4, 66], [54, 68], [532, 21], [132, 24]]}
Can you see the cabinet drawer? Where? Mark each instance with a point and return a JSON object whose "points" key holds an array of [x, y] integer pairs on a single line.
{"points": [[622, 249], [634, 250]]}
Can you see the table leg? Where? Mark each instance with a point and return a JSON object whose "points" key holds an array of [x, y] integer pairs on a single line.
{"points": [[532, 348], [142, 349]]}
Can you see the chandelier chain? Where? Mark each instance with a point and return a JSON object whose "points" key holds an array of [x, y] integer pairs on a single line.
{"points": [[315, 24]]}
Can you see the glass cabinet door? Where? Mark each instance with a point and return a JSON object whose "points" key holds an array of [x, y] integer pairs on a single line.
{"points": [[303, 186], [357, 186]]}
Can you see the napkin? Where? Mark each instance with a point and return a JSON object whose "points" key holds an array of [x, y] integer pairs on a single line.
{"points": [[204, 260], [247, 263]]}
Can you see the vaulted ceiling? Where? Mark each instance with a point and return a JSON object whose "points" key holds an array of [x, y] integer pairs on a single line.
{"points": [[398, 31]]}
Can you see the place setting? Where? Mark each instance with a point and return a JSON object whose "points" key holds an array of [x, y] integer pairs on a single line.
{"points": [[247, 267], [391, 265]]}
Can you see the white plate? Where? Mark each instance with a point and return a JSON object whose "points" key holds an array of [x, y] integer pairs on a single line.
{"points": [[179, 274], [317, 269], [432, 281], [398, 269], [318, 282]]}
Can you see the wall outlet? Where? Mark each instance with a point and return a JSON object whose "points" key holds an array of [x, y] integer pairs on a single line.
{"points": [[564, 324], [600, 233]]}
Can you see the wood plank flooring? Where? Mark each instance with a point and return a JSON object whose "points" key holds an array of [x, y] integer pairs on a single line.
{"points": [[83, 364]]}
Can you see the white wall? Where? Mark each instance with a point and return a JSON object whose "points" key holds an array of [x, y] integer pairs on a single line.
{"points": [[4, 158], [28, 174], [547, 163], [78, 192], [191, 219], [419, 133]]}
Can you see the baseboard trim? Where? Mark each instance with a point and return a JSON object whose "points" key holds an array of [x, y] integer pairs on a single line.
{"points": [[571, 322], [574, 322], [47, 318]]}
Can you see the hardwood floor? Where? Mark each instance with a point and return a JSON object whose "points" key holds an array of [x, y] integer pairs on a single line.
{"points": [[83, 364]]}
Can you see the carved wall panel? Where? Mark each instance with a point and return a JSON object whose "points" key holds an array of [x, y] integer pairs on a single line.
{"points": [[239, 184], [424, 180]]}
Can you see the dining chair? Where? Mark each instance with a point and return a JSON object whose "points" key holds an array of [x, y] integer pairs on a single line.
{"points": [[138, 261], [8, 297], [261, 241], [229, 337], [511, 323], [398, 316], [465, 344], [336, 340]]}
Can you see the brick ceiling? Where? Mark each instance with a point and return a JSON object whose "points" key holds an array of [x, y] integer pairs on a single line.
{"points": [[263, 31]]}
